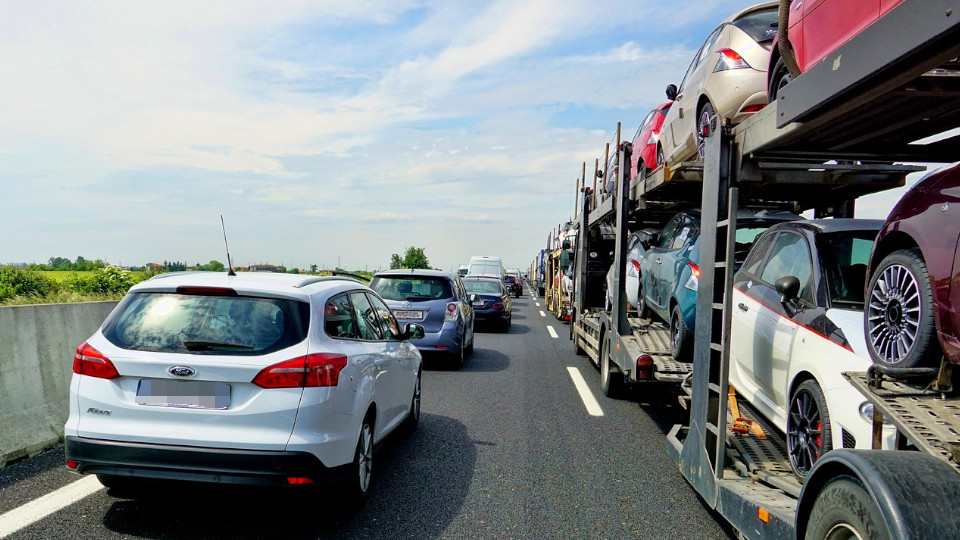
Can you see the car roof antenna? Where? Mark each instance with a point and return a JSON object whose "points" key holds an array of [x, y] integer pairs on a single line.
{"points": [[230, 272]]}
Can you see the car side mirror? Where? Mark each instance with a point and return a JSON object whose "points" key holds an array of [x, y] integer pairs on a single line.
{"points": [[413, 331], [473, 297], [789, 289], [671, 92]]}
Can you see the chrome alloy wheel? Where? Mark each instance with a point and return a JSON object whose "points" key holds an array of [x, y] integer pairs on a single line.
{"points": [[894, 312]]}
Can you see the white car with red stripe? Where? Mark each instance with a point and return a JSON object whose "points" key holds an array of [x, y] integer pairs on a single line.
{"points": [[797, 325], [253, 378]]}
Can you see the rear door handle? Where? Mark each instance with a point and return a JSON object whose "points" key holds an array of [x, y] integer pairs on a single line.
{"points": [[743, 307]]}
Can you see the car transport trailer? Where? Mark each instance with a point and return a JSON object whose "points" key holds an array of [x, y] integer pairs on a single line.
{"points": [[828, 140]]}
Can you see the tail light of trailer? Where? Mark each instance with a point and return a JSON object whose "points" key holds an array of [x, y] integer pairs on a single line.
{"points": [[644, 367]]}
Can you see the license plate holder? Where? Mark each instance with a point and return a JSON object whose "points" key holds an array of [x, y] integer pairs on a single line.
{"points": [[183, 394], [409, 315]]}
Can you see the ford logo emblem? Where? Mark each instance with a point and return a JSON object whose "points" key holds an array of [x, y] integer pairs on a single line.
{"points": [[182, 371]]}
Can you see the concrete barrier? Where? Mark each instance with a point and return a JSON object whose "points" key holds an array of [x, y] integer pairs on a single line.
{"points": [[37, 343]]}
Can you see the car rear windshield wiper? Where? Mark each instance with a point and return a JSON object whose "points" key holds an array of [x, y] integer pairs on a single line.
{"points": [[208, 345]]}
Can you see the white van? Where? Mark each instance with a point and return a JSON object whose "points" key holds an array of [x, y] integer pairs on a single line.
{"points": [[486, 266]]}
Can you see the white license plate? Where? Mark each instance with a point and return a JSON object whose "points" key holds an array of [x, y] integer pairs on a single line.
{"points": [[185, 394], [408, 314], [478, 303]]}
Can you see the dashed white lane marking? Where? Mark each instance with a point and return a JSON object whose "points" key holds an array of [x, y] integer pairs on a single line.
{"points": [[590, 402], [553, 333], [542, 314], [37, 509]]}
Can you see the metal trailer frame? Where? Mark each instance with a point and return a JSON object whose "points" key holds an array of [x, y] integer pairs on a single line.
{"points": [[868, 102]]}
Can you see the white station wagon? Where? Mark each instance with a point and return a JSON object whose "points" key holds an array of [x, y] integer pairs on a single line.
{"points": [[254, 378]]}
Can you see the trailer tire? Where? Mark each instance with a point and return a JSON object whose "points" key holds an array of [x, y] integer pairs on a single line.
{"points": [[611, 382], [844, 509]]}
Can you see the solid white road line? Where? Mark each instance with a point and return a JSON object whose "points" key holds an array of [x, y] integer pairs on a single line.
{"points": [[590, 402], [542, 314], [553, 333], [37, 509]]}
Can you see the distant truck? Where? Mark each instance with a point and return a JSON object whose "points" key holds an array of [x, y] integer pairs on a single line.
{"points": [[484, 265]]}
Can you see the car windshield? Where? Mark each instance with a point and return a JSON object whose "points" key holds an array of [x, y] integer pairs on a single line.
{"points": [[481, 286], [746, 236], [412, 287], [204, 324], [845, 256], [760, 25]]}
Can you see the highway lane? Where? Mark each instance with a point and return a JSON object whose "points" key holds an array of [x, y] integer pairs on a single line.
{"points": [[506, 448]]}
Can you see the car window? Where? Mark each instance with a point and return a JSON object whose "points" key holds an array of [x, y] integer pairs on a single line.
{"points": [[745, 238], [760, 25], [844, 258], [665, 110], [412, 287], [756, 254], [690, 69], [207, 324], [482, 286], [391, 328], [708, 45], [790, 257], [367, 320], [338, 319], [646, 122], [666, 236]]}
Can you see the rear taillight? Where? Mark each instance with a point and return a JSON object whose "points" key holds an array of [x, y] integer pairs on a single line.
{"points": [[89, 361], [654, 137], [729, 59], [644, 367], [73, 465], [306, 371], [499, 303], [752, 108], [694, 280], [636, 264], [451, 313]]}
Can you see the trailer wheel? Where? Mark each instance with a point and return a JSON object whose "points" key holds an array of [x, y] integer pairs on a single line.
{"points": [[899, 312], [611, 381], [843, 510]]}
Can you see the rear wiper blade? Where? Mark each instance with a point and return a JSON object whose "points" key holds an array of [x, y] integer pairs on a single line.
{"points": [[417, 297], [208, 345]]}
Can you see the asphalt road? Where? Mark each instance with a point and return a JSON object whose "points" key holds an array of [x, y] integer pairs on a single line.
{"points": [[505, 449]]}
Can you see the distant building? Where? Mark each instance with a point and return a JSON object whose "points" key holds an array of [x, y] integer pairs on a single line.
{"points": [[264, 268]]}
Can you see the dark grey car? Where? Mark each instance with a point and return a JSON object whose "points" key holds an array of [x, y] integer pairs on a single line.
{"points": [[437, 301]]}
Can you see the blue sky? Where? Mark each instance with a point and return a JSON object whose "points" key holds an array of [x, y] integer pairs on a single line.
{"points": [[326, 131]]}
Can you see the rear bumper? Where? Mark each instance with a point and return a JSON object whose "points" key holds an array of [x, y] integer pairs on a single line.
{"points": [[446, 340], [211, 465]]}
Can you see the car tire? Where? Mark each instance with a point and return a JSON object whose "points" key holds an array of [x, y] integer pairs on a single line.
{"points": [[473, 339], [643, 311], [780, 77], [413, 416], [899, 322], [808, 428], [361, 476], [660, 157], [707, 123], [680, 336], [611, 381], [505, 326], [457, 356], [844, 509]]}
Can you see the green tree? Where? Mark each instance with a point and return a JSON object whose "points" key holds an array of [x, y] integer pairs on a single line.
{"points": [[416, 258], [313, 269], [395, 262]]}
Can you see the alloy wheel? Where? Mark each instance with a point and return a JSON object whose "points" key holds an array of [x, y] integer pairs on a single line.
{"points": [[804, 432], [894, 312]]}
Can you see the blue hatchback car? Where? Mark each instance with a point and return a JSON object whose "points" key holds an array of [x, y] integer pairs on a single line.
{"points": [[670, 270], [437, 301]]}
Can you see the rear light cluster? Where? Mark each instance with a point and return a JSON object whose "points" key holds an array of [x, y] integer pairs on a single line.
{"points": [[644, 367], [451, 313], [89, 361], [729, 59], [312, 370], [694, 280], [654, 137], [499, 303]]}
